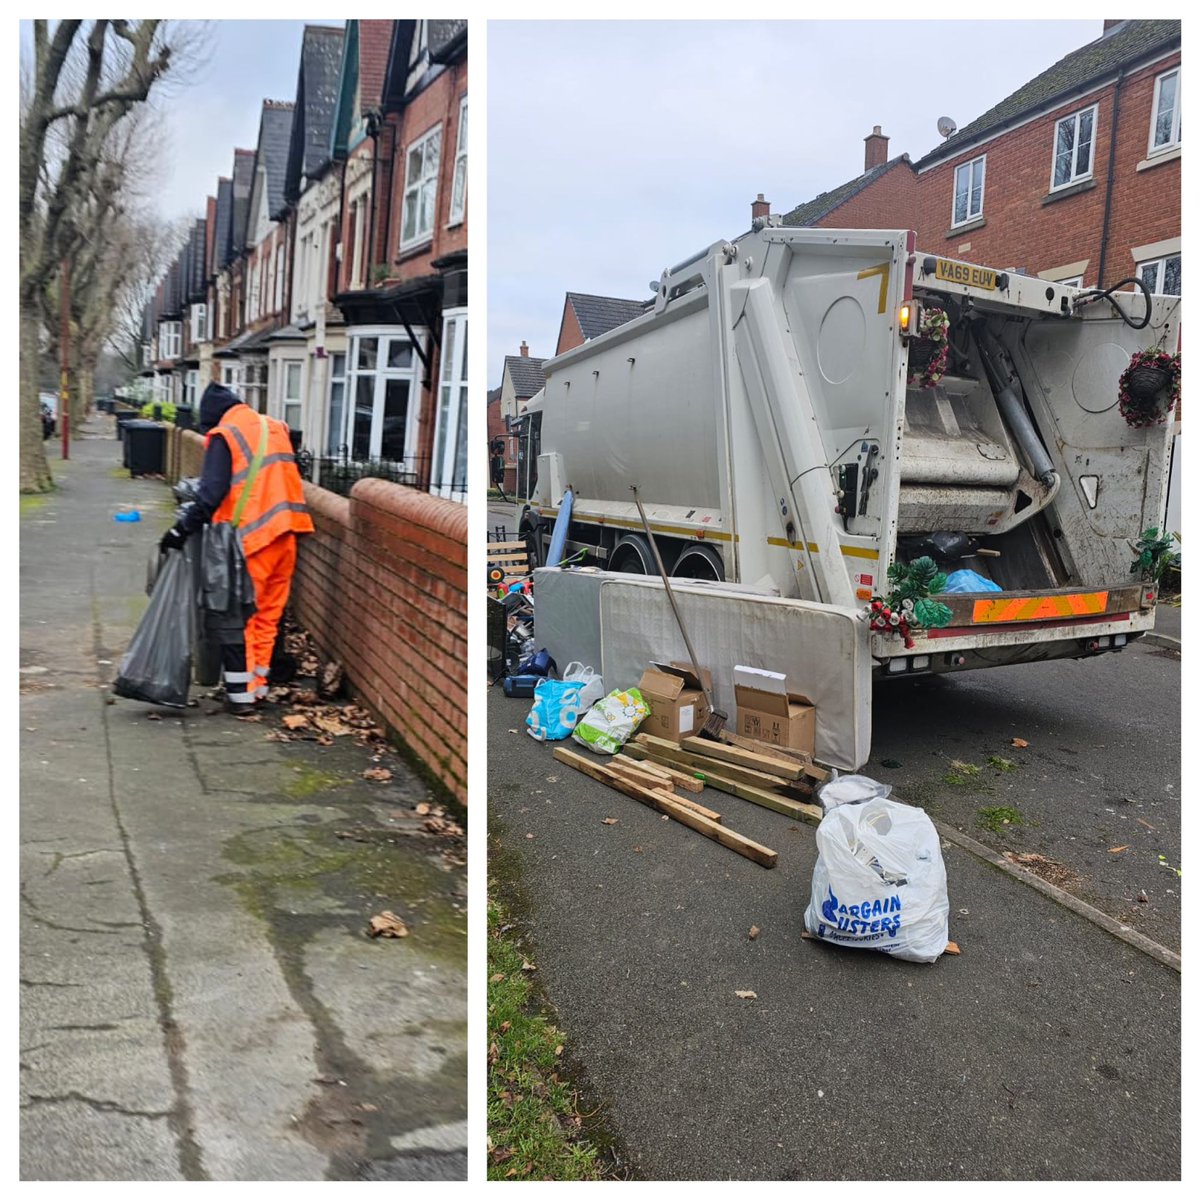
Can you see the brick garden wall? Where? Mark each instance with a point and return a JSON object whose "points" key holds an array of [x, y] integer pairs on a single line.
{"points": [[382, 588]]}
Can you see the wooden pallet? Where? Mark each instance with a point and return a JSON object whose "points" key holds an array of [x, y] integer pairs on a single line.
{"points": [[510, 557]]}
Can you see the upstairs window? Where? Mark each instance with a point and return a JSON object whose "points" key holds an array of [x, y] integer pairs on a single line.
{"points": [[458, 193], [1073, 141], [968, 190], [420, 188], [1165, 129], [1163, 276]]}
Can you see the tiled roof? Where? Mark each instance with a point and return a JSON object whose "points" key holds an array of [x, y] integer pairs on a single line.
{"points": [[822, 205], [526, 373], [243, 177], [274, 134], [1126, 44], [443, 36], [316, 98], [374, 45], [599, 314]]}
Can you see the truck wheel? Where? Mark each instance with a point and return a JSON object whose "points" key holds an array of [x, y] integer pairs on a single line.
{"points": [[632, 555], [699, 562]]}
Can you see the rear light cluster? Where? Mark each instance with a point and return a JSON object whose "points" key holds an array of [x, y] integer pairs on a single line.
{"points": [[898, 666], [1106, 643]]}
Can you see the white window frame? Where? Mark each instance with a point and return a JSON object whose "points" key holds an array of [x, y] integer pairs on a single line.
{"points": [[421, 236], [231, 376], [335, 438], [966, 166], [449, 473], [1075, 281], [358, 265], [458, 200], [1175, 140], [288, 400], [199, 331], [190, 380], [412, 373], [1161, 264], [172, 338], [1073, 178]]}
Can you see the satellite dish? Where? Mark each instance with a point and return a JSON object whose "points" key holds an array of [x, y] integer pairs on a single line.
{"points": [[946, 126]]}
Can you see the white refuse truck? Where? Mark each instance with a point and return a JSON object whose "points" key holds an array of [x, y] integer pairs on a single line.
{"points": [[764, 408]]}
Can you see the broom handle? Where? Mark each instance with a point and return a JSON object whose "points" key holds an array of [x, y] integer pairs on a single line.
{"points": [[687, 641]]}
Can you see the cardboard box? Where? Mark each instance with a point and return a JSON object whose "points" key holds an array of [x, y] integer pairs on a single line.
{"points": [[770, 712], [678, 707]]}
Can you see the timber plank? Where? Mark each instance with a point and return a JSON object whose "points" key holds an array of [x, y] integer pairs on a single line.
{"points": [[664, 751], [682, 779], [781, 804], [670, 805], [694, 805], [743, 758]]}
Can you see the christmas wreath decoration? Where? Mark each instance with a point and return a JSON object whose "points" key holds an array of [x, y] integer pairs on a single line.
{"points": [[908, 606], [1151, 375], [931, 352]]}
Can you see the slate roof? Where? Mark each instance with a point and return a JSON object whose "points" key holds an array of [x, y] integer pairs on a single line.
{"points": [[1132, 41], [526, 373], [222, 253], [444, 38], [243, 177], [274, 135], [822, 205], [599, 314], [316, 98]]}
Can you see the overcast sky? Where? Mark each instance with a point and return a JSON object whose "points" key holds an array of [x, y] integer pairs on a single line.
{"points": [[618, 148], [219, 109]]}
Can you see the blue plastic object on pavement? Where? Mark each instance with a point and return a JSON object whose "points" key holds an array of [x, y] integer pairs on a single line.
{"points": [[558, 540], [128, 516], [969, 581]]}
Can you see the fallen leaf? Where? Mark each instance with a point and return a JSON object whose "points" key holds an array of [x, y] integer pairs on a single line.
{"points": [[368, 1107], [1117, 849], [609, 821], [499, 977], [1020, 743], [387, 924], [295, 721], [331, 724], [1152, 828], [382, 774], [526, 965], [254, 717], [1142, 898], [505, 1026], [423, 809], [558, 1050], [746, 995], [637, 849], [501, 1156], [753, 932]]}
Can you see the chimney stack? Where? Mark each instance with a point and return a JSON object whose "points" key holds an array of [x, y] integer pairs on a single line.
{"points": [[524, 349], [877, 146], [1112, 24], [759, 208]]}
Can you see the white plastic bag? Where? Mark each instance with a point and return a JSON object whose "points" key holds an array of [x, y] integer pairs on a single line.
{"points": [[610, 722], [879, 882], [593, 685], [851, 789]]}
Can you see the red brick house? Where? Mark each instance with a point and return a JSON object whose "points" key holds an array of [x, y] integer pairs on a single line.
{"points": [[402, 121], [585, 317], [1073, 177]]}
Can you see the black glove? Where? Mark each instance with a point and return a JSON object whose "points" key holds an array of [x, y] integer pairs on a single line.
{"points": [[173, 539]]}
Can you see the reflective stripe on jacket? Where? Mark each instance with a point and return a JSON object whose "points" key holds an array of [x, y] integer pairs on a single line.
{"points": [[275, 505]]}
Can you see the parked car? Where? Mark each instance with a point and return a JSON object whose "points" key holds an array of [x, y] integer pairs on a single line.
{"points": [[49, 413]]}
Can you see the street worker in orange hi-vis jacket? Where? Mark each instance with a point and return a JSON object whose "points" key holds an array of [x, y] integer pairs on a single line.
{"points": [[249, 478]]}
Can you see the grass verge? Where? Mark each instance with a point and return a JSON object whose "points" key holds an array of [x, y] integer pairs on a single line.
{"points": [[533, 1124]]}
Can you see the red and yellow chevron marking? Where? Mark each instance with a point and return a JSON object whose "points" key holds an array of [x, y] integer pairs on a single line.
{"points": [[1039, 608]]}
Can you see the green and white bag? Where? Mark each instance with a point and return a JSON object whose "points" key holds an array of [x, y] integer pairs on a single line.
{"points": [[611, 722]]}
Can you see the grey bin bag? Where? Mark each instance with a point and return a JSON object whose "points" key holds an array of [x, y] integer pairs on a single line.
{"points": [[225, 583], [157, 667]]}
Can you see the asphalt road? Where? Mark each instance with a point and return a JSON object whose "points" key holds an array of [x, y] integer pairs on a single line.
{"points": [[1047, 1050], [1101, 770]]}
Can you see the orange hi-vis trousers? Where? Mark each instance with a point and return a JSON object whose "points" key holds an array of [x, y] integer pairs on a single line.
{"points": [[271, 568]]}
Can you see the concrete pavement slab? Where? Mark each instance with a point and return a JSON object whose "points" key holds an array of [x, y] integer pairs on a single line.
{"points": [[200, 997]]}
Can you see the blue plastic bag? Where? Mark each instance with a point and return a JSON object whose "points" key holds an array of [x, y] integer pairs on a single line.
{"points": [[969, 581], [557, 706]]}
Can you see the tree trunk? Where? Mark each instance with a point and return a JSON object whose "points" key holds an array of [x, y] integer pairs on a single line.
{"points": [[35, 470], [85, 388]]}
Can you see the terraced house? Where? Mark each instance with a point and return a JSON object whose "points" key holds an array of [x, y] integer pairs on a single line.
{"points": [[331, 265]]}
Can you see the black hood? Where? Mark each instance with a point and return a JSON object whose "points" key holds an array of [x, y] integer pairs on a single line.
{"points": [[214, 404]]}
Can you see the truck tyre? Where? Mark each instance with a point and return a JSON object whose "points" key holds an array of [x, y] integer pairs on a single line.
{"points": [[699, 562], [632, 555]]}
